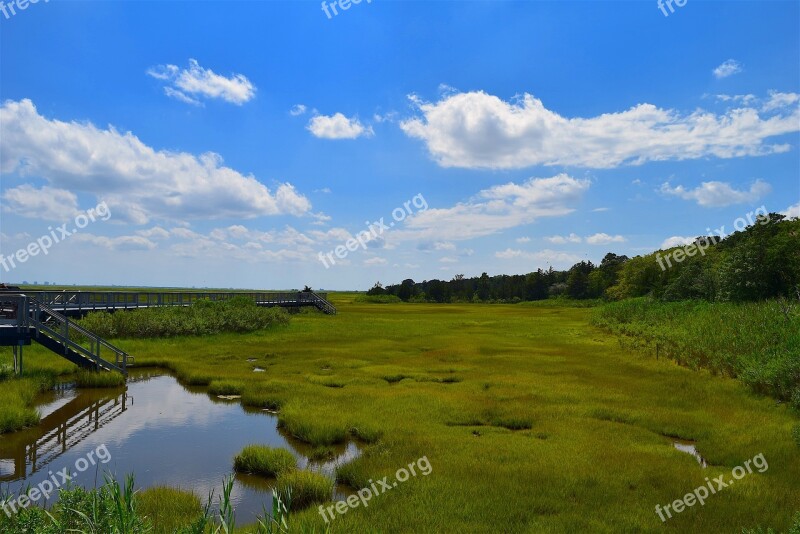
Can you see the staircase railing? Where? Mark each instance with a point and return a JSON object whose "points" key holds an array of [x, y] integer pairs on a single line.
{"points": [[322, 304], [58, 327]]}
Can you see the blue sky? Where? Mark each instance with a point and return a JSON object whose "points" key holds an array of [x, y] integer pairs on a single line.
{"points": [[233, 142]]}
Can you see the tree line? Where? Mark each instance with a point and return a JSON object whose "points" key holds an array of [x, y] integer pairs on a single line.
{"points": [[760, 262]]}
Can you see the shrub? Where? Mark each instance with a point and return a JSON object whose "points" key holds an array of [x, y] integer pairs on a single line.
{"points": [[307, 488], [204, 317], [261, 460]]}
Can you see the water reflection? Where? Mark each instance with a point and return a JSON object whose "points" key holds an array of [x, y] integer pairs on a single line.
{"points": [[163, 432]]}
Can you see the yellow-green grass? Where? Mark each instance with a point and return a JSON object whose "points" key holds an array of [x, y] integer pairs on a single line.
{"points": [[263, 460], [168, 509], [595, 457], [306, 488], [98, 379]]}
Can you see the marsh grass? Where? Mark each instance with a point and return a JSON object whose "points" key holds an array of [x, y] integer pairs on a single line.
{"points": [[169, 509], [306, 487], [99, 379], [262, 460], [225, 387], [757, 342], [604, 410], [239, 315]]}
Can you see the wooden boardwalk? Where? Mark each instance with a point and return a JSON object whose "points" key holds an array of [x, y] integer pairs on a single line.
{"points": [[47, 317]]}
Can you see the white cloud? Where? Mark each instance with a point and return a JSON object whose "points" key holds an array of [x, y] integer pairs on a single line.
{"points": [[600, 210], [523, 240], [375, 261], [155, 232], [297, 109], [560, 240], [743, 99], [676, 241], [129, 242], [728, 68], [137, 181], [324, 190], [338, 126], [48, 203], [448, 259], [495, 209], [792, 211], [177, 95], [200, 82], [718, 194], [478, 130], [604, 239], [780, 100]]}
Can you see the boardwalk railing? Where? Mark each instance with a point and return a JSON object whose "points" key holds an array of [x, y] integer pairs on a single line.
{"points": [[32, 319], [81, 302]]}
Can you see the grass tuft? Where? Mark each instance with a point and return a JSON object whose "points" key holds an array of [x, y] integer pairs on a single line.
{"points": [[262, 460], [169, 509], [225, 387], [99, 379], [307, 488]]}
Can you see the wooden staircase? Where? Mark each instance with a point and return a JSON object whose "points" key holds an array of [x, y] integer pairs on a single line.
{"points": [[24, 318]]}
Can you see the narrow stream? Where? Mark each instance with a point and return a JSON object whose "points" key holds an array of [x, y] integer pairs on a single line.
{"points": [[163, 432]]}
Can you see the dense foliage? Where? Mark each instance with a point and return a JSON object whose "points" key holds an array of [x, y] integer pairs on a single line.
{"points": [[760, 262], [757, 342], [202, 318]]}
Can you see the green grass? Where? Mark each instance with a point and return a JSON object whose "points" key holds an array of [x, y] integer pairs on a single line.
{"points": [[307, 488], [758, 343], [101, 379], [554, 425], [262, 460], [168, 509]]}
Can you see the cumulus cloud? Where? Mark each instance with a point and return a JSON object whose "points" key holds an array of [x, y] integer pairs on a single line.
{"points": [[297, 109], [560, 239], [338, 126], [676, 241], [188, 85], [523, 240], [728, 68], [496, 209], [718, 194], [479, 130], [136, 180], [604, 239], [375, 261], [48, 203], [792, 211], [117, 243]]}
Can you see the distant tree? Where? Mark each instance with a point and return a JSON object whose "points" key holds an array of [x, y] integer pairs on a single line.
{"points": [[377, 289], [484, 287], [406, 290]]}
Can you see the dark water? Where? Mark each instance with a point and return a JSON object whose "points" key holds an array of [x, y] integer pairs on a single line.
{"points": [[163, 432]]}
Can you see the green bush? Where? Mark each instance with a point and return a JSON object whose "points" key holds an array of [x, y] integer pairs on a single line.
{"points": [[204, 317], [261, 460]]}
